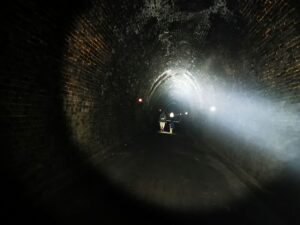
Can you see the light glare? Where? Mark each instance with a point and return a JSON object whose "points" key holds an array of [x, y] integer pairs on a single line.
{"points": [[213, 108]]}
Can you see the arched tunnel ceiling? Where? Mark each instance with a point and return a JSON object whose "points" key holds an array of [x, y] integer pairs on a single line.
{"points": [[74, 72], [177, 87], [150, 37], [147, 38], [165, 35]]}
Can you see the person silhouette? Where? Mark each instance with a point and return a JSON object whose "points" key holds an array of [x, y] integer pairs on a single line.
{"points": [[162, 121]]}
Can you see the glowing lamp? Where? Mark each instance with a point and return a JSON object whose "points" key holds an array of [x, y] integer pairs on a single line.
{"points": [[140, 100]]}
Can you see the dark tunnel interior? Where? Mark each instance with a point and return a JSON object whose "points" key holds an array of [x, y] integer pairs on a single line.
{"points": [[84, 83]]}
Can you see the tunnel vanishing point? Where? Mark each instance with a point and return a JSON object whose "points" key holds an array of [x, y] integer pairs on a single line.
{"points": [[82, 87]]}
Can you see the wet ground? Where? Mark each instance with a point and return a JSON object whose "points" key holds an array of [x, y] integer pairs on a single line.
{"points": [[171, 174]]}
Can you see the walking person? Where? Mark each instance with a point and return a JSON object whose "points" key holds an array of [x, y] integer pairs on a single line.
{"points": [[162, 121]]}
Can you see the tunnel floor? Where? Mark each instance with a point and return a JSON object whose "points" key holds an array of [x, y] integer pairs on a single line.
{"points": [[170, 173]]}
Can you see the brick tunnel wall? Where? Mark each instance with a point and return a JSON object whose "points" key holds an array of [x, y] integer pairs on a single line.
{"points": [[274, 37], [70, 79], [268, 65], [273, 33], [99, 97], [60, 103]]}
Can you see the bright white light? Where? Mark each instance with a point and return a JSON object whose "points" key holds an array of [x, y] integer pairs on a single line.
{"points": [[140, 100], [257, 121], [171, 115], [212, 108], [186, 113]]}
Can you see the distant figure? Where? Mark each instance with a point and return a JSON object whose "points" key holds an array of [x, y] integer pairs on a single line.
{"points": [[162, 121], [171, 126]]}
